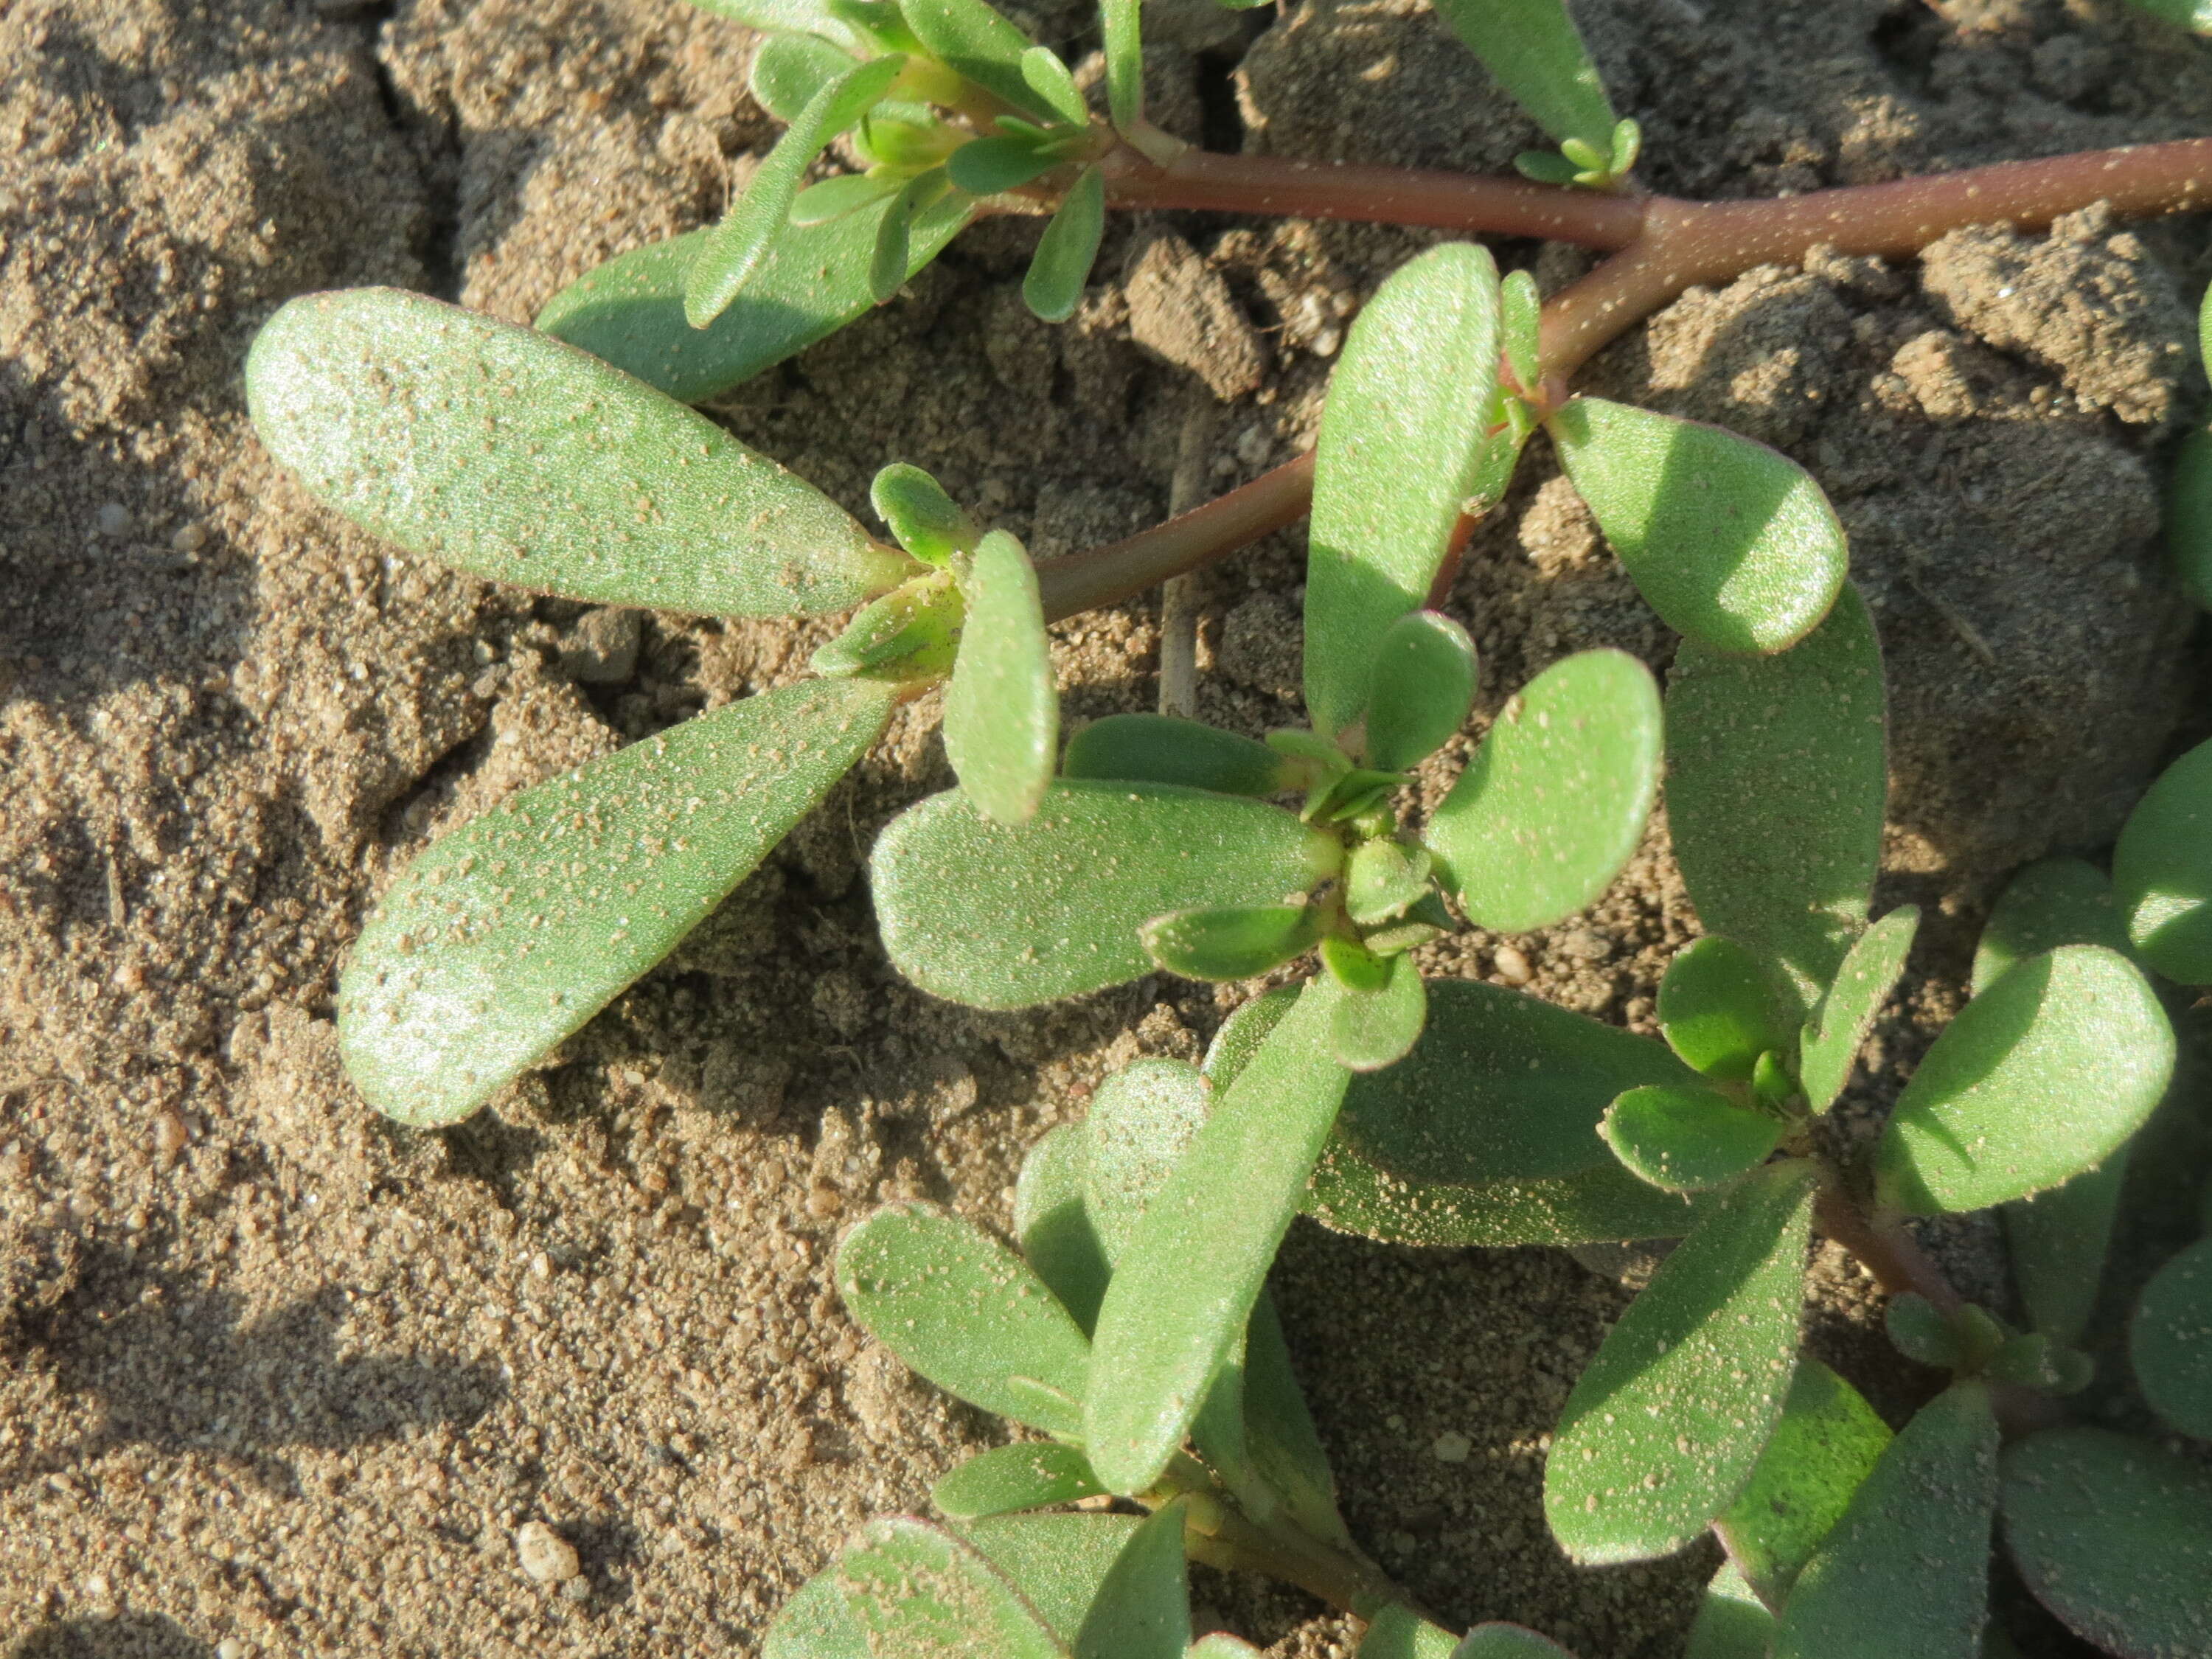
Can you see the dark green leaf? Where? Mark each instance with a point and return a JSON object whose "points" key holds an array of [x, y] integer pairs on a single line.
{"points": [[972, 39], [1053, 287], [1001, 713], [1497, 1640], [1536, 54], [509, 933], [2170, 1343], [2057, 1240], [967, 1312], [1686, 1139], [2056, 901], [1730, 542], [817, 1623], [1662, 1431], [788, 70], [1142, 1610], [985, 167], [1823, 1447], [922, 1594], [1032, 1475], [1141, 1121], [1920, 1333], [1719, 1009], [1846, 1012], [1184, 1289], [500, 452], [1006, 915], [1776, 780], [1383, 879], [1519, 315], [1048, 78], [1236, 943], [1376, 1025], [1905, 1572], [1161, 748], [1731, 1622], [888, 261], [1124, 61], [1279, 1434], [832, 199], [1403, 435], [1999, 1109], [2115, 1537], [2189, 497], [2162, 869], [920, 516], [910, 634], [1053, 1222], [1399, 1632], [1058, 1562], [737, 247], [1424, 677], [1243, 1031], [785, 17]]}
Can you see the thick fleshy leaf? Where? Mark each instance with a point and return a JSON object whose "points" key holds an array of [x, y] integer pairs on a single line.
{"points": [[1184, 1288], [498, 451], [1823, 1447], [1399, 1632], [1142, 1610], [1905, 1571], [2114, 1536], [1162, 749], [1232, 944], [1006, 915], [2057, 1241], [1053, 1222], [1053, 286], [817, 1623], [1243, 1031], [984, 166], [1280, 1438], [1048, 78], [1403, 434], [2162, 869], [1383, 879], [1554, 800], [848, 193], [2169, 1342], [1376, 1025], [788, 70], [1034, 1474], [736, 248], [912, 633], [1001, 712], [922, 1594], [2189, 485], [1719, 1010], [967, 1312], [1425, 678], [1999, 1107], [1832, 1040], [1605, 1205], [1664, 1427], [972, 39], [507, 934], [888, 262], [1124, 61], [1776, 782], [1730, 542], [1498, 1640], [925, 520], [1731, 1622], [2055, 901], [1218, 1644], [1687, 1139], [1535, 50], [785, 17], [1141, 1121], [1058, 1562]]}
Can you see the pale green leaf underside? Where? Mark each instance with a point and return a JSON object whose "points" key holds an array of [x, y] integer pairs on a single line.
{"points": [[502, 452], [1823, 1447], [2162, 870], [2057, 1241], [1719, 1009], [1399, 1632], [1141, 1121], [2170, 1341], [1425, 674], [2054, 902], [1142, 1610], [1053, 1222], [1687, 1139], [507, 934], [1731, 1622], [922, 1594], [1030, 1475], [1846, 1013], [1001, 712], [1058, 1562], [1536, 53]]}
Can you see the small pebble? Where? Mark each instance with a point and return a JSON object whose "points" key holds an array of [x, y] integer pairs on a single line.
{"points": [[230, 1648], [1451, 1447], [546, 1556], [170, 1137], [115, 520], [1511, 966], [190, 538]]}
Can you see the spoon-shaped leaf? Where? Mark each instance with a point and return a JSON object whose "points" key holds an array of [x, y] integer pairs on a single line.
{"points": [[1001, 713], [1218, 1644], [2057, 1241], [1280, 1438], [848, 193], [1535, 50], [1846, 1012], [1905, 1570], [1555, 801], [508, 934], [1184, 1288], [2052, 902], [2162, 869], [923, 520], [1004, 915], [1776, 780], [785, 17], [1048, 78], [1731, 1622], [890, 261], [1053, 1224], [2170, 1343], [500, 452], [736, 248], [1383, 879], [1377, 1026], [984, 166], [788, 70], [1399, 1632], [1687, 1139], [1236, 943], [967, 1312], [1719, 1010], [911, 634], [1425, 678], [1142, 1610], [1162, 749], [1500, 1640], [1403, 435], [1822, 1449], [1141, 1121], [2189, 488], [1034, 1474], [1663, 1429], [817, 1623], [922, 1594], [1730, 542], [2114, 1536], [1053, 286], [1058, 1562], [972, 39], [1999, 1107], [1122, 24]]}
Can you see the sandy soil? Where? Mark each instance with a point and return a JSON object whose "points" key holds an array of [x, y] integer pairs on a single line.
{"points": [[277, 1379]]}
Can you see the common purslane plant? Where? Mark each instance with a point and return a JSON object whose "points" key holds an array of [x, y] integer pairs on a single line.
{"points": [[1132, 1329]]}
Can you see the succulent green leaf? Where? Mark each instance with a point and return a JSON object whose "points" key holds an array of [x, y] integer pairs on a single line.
{"points": [[1142, 1610], [1546, 167], [1006, 915], [2059, 1239], [1824, 1446], [1534, 49], [1236, 943], [985, 167], [1280, 1438], [1053, 1224], [2189, 494], [1687, 1139], [2192, 14], [1627, 146], [1162, 749], [817, 1623], [1424, 685], [1662, 1431], [1918, 1332], [1554, 800], [910, 634], [1999, 1109], [1905, 1571], [507, 935], [1034, 1474], [1731, 1622], [2114, 1535], [1383, 879], [1719, 1010], [1221, 1644], [1058, 1562], [1048, 78], [967, 1312], [1403, 435], [1053, 286], [1399, 1632], [1243, 1031], [1730, 542], [1124, 61], [1351, 1193], [497, 451], [1001, 713], [887, 261], [788, 70], [2162, 870], [2169, 1342], [1519, 316], [922, 1594], [2055, 901], [1141, 1121], [785, 17], [848, 193], [1498, 1640], [1832, 1040], [737, 247], [1776, 782], [971, 39], [923, 520], [1184, 1289], [1376, 1025]]}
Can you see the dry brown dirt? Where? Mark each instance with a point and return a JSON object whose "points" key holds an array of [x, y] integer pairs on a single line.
{"points": [[275, 1378]]}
